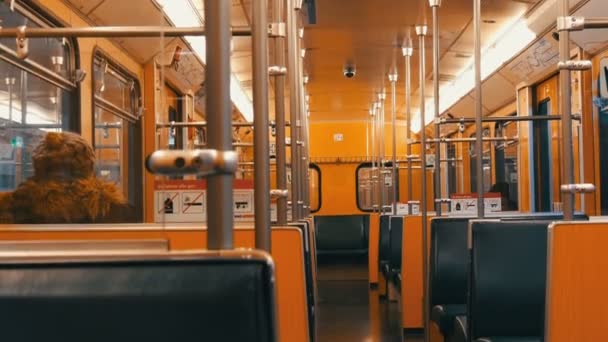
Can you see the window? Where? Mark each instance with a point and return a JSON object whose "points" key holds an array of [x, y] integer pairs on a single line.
{"points": [[506, 164], [368, 187], [314, 172], [486, 162], [117, 132], [601, 101], [37, 95], [314, 185]]}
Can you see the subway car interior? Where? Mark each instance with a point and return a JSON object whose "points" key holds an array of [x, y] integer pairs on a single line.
{"points": [[303, 170]]}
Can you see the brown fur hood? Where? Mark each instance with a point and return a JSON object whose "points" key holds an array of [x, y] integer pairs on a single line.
{"points": [[6, 215], [64, 188], [86, 200]]}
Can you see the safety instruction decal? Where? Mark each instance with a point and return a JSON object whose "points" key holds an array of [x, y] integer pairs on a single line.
{"points": [[185, 201]]}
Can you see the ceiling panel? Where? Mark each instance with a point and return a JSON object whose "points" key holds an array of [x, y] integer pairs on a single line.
{"points": [[85, 6], [592, 41], [371, 33], [496, 92], [536, 61]]}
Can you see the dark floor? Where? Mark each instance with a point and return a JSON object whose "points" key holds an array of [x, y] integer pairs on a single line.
{"points": [[349, 311]]}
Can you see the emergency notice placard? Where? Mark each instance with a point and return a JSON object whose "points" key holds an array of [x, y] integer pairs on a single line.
{"points": [[186, 201], [466, 204]]}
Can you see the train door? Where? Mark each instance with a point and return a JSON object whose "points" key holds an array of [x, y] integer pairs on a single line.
{"points": [[602, 102], [486, 160], [545, 142], [505, 153], [542, 159]]}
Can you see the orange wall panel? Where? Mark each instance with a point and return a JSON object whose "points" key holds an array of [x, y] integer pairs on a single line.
{"points": [[577, 301], [356, 139], [374, 244], [412, 291], [338, 189]]}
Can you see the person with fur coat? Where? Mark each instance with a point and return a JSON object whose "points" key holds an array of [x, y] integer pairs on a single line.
{"points": [[64, 188]]}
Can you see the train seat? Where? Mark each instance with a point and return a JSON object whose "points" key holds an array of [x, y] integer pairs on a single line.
{"points": [[508, 277], [308, 266], [459, 330], [215, 296], [342, 234], [393, 269], [444, 315], [384, 247], [449, 265], [449, 262]]}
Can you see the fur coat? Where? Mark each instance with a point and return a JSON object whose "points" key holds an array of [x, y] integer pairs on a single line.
{"points": [[64, 188]]}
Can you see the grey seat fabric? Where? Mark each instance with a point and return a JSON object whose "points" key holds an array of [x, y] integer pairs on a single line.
{"points": [[384, 241], [459, 330], [304, 226], [444, 316], [508, 277], [509, 339], [449, 269]]}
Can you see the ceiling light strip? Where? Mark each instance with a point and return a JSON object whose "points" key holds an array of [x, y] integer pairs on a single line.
{"points": [[182, 13]]}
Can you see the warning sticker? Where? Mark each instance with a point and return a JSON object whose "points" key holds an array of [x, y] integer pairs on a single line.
{"points": [[243, 202], [193, 202], [167, 203], [185, 201]]}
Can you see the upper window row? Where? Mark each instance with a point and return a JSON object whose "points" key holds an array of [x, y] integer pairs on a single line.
{"points": [[37, 95]]}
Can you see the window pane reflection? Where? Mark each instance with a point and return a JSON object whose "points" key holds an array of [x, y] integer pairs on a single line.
{"points": [[51, 53], [109, 142], [368, 187], [113, 87], [29, 107]]}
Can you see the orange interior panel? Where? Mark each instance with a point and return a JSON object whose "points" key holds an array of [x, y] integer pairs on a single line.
{"points": [[374, 243], [411, 271], [577, 301]]}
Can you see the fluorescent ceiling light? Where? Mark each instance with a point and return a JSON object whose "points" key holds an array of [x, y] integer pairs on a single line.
{"points": [[511, 40], [183, 14]]}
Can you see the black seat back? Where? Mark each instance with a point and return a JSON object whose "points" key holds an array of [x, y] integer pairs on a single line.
{"points": [[384, 248], [508, 278], [449, 260], [540, 216], [227, 296], [396, 233], [342, 234]]}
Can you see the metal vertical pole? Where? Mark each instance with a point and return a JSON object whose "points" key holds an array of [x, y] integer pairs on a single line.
{"points": [[478, 108], [261, 151], [372, 114], [303, 167], [219, 121], [435, 4], [422, 31], [292, 56], [366, 140], [566, 109], [407, 53], [279, 102], [393, 79], [378, 157], [383, 194]]}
